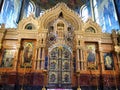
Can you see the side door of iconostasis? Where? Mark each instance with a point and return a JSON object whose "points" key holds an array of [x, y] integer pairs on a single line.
{"points": [[60, 67]]}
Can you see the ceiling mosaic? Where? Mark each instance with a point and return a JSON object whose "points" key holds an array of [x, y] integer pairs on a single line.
{"points": [[46, 4]]}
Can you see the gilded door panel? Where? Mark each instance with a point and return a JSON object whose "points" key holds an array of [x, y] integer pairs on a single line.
{"points": [[59, 66]]}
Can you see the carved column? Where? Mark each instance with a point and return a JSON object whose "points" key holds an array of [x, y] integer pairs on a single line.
{"points": [[116, 42], [43, 58], [117, 50], [2, 34], [101, 65], [82, 62], [16, 55], [101, 56], [78, 60], [118, 56], [38, 58]]}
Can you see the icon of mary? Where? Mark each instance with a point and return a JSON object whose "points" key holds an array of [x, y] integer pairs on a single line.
{"points": [[91, 55], [108, 62]]}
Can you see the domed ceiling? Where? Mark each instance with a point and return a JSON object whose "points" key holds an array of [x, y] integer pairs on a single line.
{"points": [[73, 4]]}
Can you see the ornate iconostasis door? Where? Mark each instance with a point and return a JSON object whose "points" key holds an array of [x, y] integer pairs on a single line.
{"points": [[60, 67]]}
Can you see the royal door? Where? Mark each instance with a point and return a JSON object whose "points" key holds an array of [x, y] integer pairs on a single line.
{"points": [[60, 68]]}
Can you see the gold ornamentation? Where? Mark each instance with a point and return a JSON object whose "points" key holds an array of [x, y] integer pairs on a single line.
{"points": [[117, 49], [43, 88], [0, 46]]}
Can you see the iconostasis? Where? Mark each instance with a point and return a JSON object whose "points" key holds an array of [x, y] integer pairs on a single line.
{"points": [[59, 50]]}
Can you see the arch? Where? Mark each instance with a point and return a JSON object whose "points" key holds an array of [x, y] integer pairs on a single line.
{"points": [[29, 26], [59, 45], [68, 14], [60, 23], [30, 20], [91, 24], [90, 29]]}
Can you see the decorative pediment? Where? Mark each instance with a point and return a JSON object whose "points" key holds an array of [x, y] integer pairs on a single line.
{"points": [[54, 13], [91, 27], [30, 21]]}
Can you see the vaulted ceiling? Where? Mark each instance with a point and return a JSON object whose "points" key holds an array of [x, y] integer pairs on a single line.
{"points": [[46, 4]]}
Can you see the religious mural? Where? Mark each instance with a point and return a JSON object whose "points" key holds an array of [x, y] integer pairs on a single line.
{"points": [[10, 13], [118, 7], [1, 3], [108, 61], [66, 66], [91, 55], [85, 11], [53, 65], [65, 77], [27, 54], [8, 58], [28, 8], [106, 15], [53, 77]]}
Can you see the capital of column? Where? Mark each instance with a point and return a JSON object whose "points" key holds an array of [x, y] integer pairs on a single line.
{"points": [[38, 60], [37, 47], [43, 88], [117, 49], [18, 46], [78, 88], [100, 49]]}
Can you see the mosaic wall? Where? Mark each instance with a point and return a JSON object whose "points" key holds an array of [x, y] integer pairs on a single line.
{"points": [[106, 15]]}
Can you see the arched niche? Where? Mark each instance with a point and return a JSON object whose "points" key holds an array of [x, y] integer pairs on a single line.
{"points": [[90, 30], [30, 26]]}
